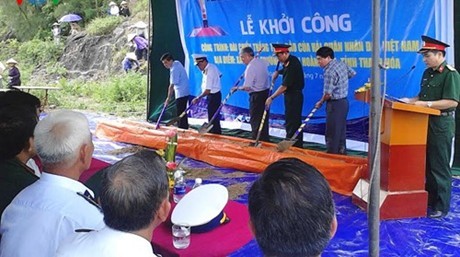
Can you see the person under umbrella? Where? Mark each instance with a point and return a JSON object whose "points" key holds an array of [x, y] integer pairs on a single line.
{"points": [[14, 76]]}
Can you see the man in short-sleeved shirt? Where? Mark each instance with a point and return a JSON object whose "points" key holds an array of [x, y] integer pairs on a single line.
{"points": [[178, 82], [440, 89], [292, 86], [335, 92], [210, 87]]}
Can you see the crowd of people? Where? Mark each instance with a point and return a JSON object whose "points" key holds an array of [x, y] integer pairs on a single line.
{"points": [[257, 83], [122, 10], [46, 211], [443, 95], [50, 213]]}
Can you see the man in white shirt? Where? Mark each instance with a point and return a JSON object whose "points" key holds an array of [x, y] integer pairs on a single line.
{"points": [[134, 198], [257, 84], [113, 9], [46, 212], [210, 87]]}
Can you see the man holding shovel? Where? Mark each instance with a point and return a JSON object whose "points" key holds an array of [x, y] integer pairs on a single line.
{"points": [[292, 86], [256, 83], [210, 86], [335, 92], [178, 83]]}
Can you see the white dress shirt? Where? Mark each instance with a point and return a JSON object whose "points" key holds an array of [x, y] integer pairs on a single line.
{"points": [[211, 79], [43, 214], [105, 243], [256, 76]]}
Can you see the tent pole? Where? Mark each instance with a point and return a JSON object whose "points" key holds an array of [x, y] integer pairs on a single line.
{"points": [[150, 35], [374, 136]]}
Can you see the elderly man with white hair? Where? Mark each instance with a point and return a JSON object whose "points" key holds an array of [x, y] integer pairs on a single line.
{"points": [[46, 212]]}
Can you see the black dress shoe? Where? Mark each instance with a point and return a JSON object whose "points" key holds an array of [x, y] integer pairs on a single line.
{"points": [[436, 214]]}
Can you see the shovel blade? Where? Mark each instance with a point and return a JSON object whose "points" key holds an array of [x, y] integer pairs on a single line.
{"points": [[284, 145], [256, 144], [173, 121], [205, 128]]}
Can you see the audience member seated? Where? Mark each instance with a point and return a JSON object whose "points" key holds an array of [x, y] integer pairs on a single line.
{"points": [[20, 98], [46, 212], [134, 199], [17, 125], [291, 210], [16, 97]]}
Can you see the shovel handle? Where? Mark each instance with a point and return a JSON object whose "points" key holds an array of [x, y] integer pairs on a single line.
{"points": [[231, 92], [161, 114], [262, 121], [304, 123]]}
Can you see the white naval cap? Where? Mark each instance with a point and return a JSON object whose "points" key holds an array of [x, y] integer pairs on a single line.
{"points": [[199, 57], [202, 208]]}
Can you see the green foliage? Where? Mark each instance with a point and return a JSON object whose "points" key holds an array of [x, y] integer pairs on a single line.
{"points": [[56, 68], [27, 21], [39, 52], [9, 49], [141, 6], [103, 26], [123, 95], [32, 54]]}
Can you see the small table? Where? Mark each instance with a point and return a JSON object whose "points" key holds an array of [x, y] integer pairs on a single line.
{"points": [[28, 88]]}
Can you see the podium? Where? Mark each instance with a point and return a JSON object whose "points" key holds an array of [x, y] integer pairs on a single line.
{"points": [[403, 148]]}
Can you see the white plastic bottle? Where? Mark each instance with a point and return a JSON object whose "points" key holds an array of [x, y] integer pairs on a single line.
{"points": [[179, 186], [198, 182]]}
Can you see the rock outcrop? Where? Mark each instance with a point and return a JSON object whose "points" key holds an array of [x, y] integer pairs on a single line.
{"points": [[91, 57]]}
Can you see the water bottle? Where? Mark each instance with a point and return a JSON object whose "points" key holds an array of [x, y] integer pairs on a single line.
{"points": [[179, 185], [198, 183]]}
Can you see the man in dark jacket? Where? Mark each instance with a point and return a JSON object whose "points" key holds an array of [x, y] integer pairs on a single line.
{"points": [[14, 76]]}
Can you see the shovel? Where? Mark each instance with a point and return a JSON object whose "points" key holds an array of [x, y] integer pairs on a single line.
{"points": [[177, 119], [262, 121], [285, 144], [161, 114], [206, 127]]}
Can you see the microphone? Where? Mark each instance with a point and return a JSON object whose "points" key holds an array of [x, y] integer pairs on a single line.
{"points": [[403, 76]]}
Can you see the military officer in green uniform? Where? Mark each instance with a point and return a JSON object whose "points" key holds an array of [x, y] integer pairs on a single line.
{"points": [[292, 86], [440, 89]]}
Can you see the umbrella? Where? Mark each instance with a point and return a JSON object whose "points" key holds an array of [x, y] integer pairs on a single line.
{"points": [[70, 18]]}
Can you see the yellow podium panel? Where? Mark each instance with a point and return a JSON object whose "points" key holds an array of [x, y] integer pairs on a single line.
{"points": [[405, 124]]}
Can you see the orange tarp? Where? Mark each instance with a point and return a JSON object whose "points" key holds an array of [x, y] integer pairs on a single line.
{"points": [[342, 172]]}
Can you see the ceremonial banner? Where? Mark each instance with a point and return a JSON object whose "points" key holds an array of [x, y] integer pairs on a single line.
{"points": [[220, 28]]}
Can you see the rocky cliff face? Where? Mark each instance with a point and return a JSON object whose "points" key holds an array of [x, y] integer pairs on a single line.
{"points": [[90, 57]]}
